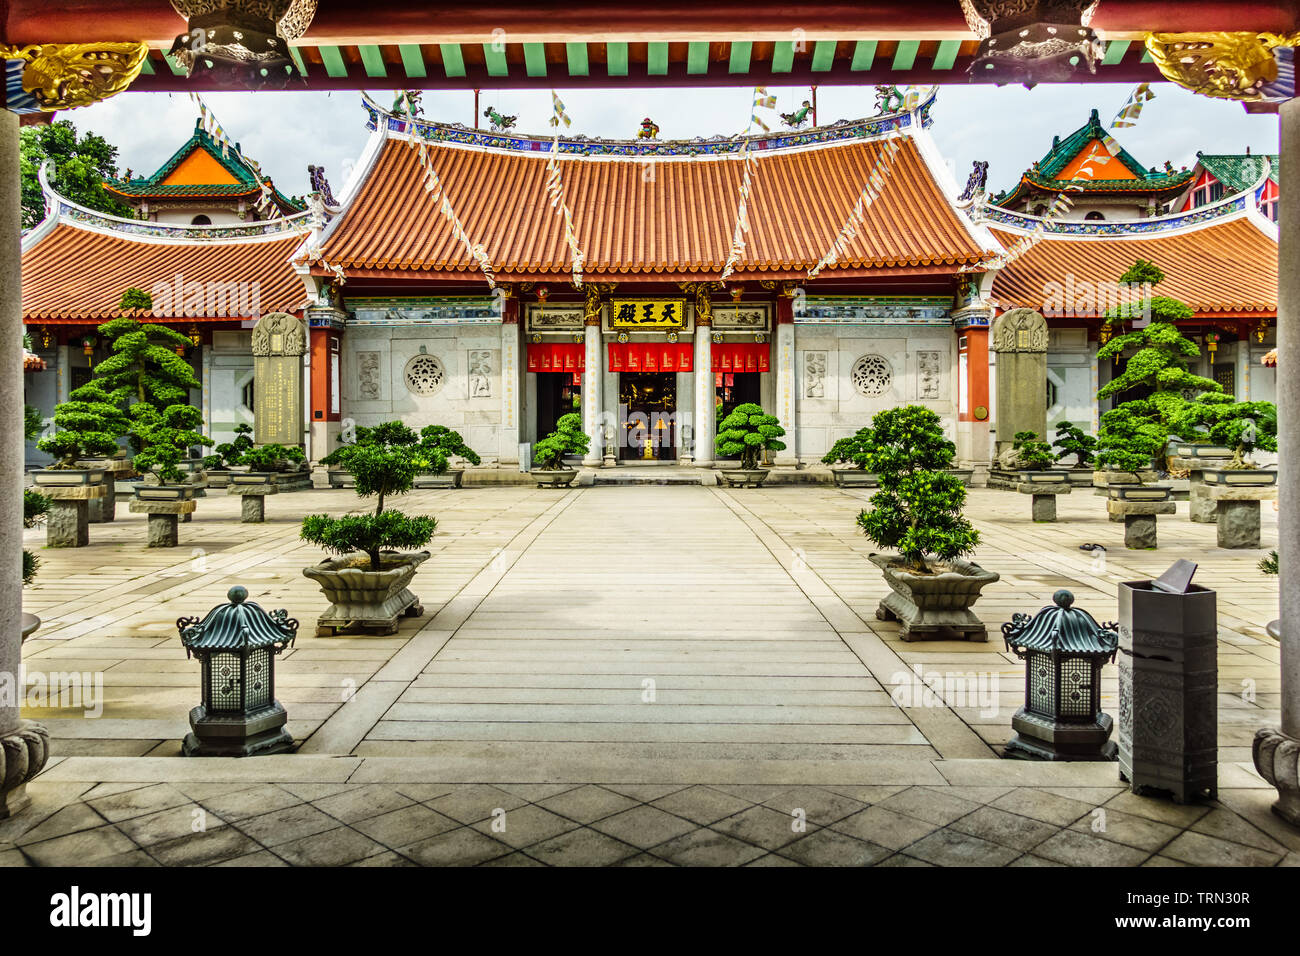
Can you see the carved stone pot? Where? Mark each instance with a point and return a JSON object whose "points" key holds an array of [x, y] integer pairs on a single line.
{"points": [[365, 600], [451, 478], [743, 477], [853, 478], [933, 605], [554, 477]]}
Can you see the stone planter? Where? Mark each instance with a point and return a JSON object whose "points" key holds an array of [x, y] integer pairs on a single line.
{"points": [[1137, 506], [743, 477], [1080, 477], [965, 474], [853, 478], [451, 478], [341, 478], [219, 477], [1043, 487], [165, 492], [554, 477], [71, 491], [1240, 477], [363, 600], [30, 625], [933, 605], [1201, 450]]}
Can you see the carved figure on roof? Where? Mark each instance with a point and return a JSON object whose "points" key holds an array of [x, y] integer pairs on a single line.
{"points": [[321, 185], [500, 122], [649, 129], [797, 118], [889, 99], [408, 101], [979, 175]]}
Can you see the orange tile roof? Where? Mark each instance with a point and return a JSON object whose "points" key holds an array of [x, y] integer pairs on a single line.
{"points": [[635, 217], [1227, 266], [75, 273]]}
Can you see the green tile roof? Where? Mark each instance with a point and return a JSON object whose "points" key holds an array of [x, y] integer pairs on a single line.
{"points": [[1238, 171]]}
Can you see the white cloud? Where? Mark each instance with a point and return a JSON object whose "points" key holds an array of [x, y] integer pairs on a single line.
{"points": [[1010, 127]]}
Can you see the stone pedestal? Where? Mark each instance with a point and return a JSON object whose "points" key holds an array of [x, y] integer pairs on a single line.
{"points": [[68, 523], [1168, 691], [23, 754], [1139, 519], [1200, 507], [164, 519], [1237, 514], [252, 509], [1043, 497]]}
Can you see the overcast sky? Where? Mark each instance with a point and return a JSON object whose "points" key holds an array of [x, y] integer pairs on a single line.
{"points": [[1010, 127]]}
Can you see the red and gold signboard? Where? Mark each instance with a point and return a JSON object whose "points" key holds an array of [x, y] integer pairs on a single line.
{"points": [[650, 357], [647, 313]]}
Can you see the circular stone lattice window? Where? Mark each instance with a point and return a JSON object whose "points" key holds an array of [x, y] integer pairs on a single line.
{"points": [[423, 375], [872, 375]]}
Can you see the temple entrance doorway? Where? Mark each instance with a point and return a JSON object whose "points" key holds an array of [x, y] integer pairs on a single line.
{"points": [[732, 389], [558, 393], [647, 404]]}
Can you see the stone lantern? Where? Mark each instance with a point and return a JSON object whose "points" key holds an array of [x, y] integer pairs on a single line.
{"points": [[1064, 649], [237, 644]]}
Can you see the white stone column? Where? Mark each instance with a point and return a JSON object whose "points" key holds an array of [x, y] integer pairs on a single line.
{"points": [[705, 401], [786, 408], [593, 379], [24, 746], [1277, 751], [508, 450], [1242, 377]]}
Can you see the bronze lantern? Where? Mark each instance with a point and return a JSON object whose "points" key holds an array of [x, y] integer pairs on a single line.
{"points": [[1064, 650], [237, 644]]}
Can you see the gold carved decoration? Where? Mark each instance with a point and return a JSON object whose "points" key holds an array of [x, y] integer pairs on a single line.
{"points": [[65, 75], [1235, 66], [594, 302]]}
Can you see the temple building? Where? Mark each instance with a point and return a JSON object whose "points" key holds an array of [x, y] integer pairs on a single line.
{"points": [[1226, 174], [203, 184], [1100, 176], [455, 302]]}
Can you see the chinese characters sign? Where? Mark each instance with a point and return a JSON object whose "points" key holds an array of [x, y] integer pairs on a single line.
{"points": [[647, 313]]}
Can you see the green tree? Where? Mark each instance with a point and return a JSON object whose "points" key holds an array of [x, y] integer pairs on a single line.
{"points": [[89, 423], [231, 452], [1073, 440], [567, 440], [747, 432], [384, 461], [134, 298], [145, 365], [1035, 454], [851, 450], [165, 438], [79, 167], [438, 444], [1242, 426], [917, 511], [1132, 436]]}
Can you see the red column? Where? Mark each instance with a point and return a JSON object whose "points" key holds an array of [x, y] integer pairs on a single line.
{"points": [[976, 354], [325, 353]]}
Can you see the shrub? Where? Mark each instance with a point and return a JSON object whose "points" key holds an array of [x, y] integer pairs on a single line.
{"points": [[1132, 436], [384, 461], [1269, 564], [231, 452], [33, 422], [747, 432], [134, 298], [568, 439], [1073, 440], [438, 444], [851, 450], [35, 507], [917, 510], [1035, 455], [31, 563], [272, 457], [1242, 426], [89, 423], [165, 438]]}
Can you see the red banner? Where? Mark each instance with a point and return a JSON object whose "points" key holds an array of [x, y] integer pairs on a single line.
{"points": [[740, 357], [556, 357], [650, 357]]}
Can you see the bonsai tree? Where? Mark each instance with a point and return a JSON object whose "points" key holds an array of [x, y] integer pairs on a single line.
{"points": [[851, 450], [384, 461], [568, 439], [917, 511], [747, 432], [144, 365], [1073, 440], [89, 423], [438, 444], [134, 298], [1132, 436], [1242, 426], [1035, 455], [272, 457], [1161, 353], [231, 452], [165, 438]]}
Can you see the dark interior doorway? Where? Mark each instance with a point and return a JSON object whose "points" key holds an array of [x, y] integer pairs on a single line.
{"points": [[648, 404], [737, 388], [557, 395]]}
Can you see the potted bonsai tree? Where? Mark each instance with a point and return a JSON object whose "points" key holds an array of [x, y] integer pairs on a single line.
{"points": [[87, 425], [567, 441], [1241, 427], [748, 432], [850, 451], [438, 445], [227, 456], [164, 439], [1073, 442], [1037, 477], [368, 583], [917, 514]]}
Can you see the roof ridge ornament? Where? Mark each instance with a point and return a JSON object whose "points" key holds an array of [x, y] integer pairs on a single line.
{"points": [[61, 76], [1255, 68]]}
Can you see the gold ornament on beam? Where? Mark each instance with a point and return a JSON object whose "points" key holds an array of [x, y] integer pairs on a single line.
{"points": [[1234, 66], [61, 76]]}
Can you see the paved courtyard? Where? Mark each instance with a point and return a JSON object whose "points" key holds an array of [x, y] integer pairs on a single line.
{"points": [[633, 674]]}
